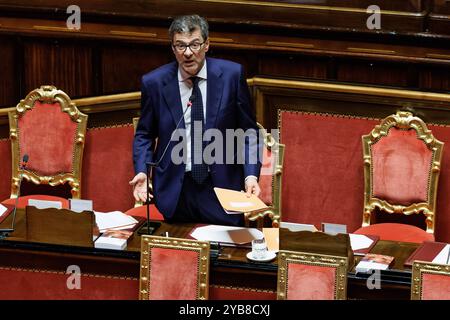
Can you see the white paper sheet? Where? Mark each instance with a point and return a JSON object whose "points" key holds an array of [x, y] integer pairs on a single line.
{"points": [[2, 209], [239, 204], [80, 205], [360, 241], [114, 219], [44, 204], [227, 234], [298, 226], [442, 257]]}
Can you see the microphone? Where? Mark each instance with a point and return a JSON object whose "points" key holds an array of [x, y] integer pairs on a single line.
{"points": [[22, 167], [149, 227]]}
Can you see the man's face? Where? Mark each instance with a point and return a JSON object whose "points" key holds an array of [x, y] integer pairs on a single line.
{"points": [[190, 61]]}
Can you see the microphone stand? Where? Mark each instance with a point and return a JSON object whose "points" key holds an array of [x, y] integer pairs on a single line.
{"points": [[149, 227]]}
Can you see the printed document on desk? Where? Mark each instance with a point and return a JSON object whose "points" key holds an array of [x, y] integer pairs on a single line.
{"points": [[226, 234], [234, 202], [113, 220]]}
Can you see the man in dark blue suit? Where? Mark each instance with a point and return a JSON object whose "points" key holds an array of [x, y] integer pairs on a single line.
{"points": [[199, 94]]}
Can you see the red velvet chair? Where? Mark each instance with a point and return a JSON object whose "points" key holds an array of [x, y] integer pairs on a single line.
{"points": [[174, 269], [140, 210], [430, 281], [402, 163], [309, 276], [269, 181], [50, 129]]}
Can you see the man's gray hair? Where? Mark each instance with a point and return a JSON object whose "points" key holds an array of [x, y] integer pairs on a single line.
{"points": [[188, 24]]}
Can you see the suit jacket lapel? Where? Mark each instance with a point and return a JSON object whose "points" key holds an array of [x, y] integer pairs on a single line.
{"points": [[214, 95], [171, 93]]}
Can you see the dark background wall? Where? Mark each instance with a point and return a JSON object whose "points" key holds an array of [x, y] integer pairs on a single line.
{"points": [[316, 40]]}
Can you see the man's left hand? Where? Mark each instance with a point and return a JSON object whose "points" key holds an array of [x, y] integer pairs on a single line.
{"points": [[252, 187]]}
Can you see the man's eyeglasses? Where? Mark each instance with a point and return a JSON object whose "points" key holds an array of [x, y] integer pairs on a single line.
{"points": [[181, 47]]}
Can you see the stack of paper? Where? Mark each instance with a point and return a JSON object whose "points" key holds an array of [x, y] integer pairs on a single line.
{"points": [[114, 220], [113, 239]]}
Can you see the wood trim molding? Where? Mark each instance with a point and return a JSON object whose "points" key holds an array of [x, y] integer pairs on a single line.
{"points": [[363, 90]]}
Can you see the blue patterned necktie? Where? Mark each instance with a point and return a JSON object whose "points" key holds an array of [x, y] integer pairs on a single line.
{"points": [[199, 169]]}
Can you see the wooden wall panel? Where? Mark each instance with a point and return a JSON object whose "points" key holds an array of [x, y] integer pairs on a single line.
{"points": [[123, 66], [293, 66], [67, 66], [435, 79], [8, 75], [373, 72]]}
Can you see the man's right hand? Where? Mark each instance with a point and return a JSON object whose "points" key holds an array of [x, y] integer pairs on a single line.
{"points": [[139, 184]]}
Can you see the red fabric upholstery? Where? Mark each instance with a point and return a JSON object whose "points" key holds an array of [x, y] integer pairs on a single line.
{"points": [[309, 282], [397, 232], [323, 172], [141, 211], [401, 168], [323, 177], [266, 177], [231, 293], [23, 201], [435, 287], [49, 143], [108, 167], [19, 284], [173, 274]]}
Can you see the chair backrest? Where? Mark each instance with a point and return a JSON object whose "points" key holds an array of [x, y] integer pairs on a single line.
{"points": [[430, 281], [402, 163], [49, 128], [174, 269], [270, 178], [310, 276]]}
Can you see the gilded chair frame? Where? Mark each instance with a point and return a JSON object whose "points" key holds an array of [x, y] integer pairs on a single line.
{"points": [[419, 268], [339, 263], [402, 120], [48, 94], [202, 247], [274, 211]]}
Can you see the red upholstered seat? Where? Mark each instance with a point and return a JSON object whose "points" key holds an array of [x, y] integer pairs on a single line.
{"points": [[402, 163], [141, 211], [174, 269], [397, 232], [47, 129], [430, 281], [23, 201], [308, 276]]}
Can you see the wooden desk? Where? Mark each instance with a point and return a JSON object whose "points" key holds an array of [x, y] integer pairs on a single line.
{"points": [[232, 276], [231, 272]]}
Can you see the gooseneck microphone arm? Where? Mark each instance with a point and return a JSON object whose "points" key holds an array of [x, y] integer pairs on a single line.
{"points": [[156, 164], [22, 167]]}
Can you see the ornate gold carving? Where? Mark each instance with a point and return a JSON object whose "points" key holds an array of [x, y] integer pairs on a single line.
{"points": [[339, 263], [402, 120], [274, 212], [201, 247], [420, 268], [48, 94]]}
